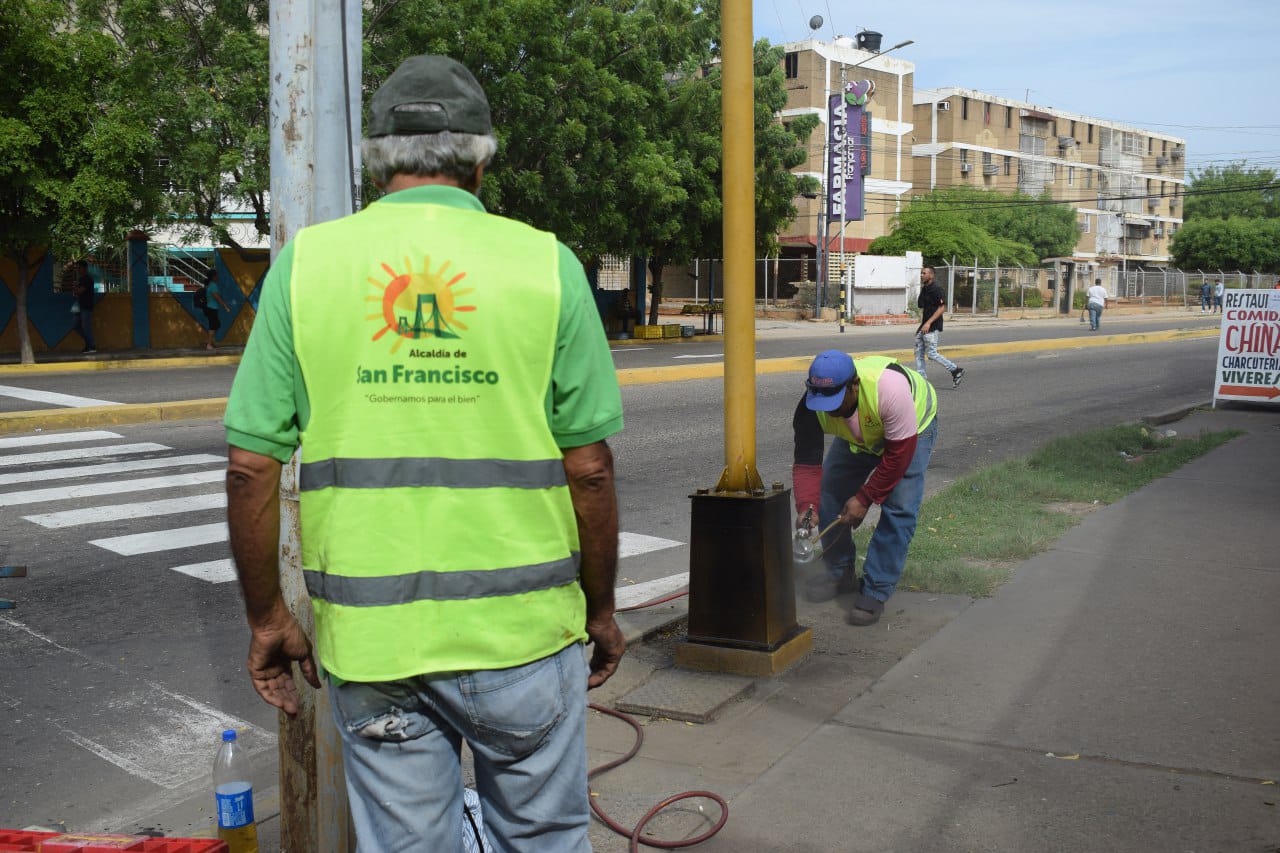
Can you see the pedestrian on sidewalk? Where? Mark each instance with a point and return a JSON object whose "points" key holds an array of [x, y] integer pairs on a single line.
{"points": [[204, 299], [1206, 297], [932, 304], [82, 308], [1218, 290], [1097, 303], [884, 419], [459, 527]]}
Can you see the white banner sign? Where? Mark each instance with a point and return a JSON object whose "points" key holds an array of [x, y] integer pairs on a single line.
{"points": [[1249, 347]]}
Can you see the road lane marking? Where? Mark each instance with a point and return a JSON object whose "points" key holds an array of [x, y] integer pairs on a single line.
{"points": [[630, 349], [53, 398], [630, 596], [110, 468], [89, 490], [635, 544], [709, 355], [61, 438], [213, 571], [157, 735], [70, 454], [120, 512], [134, 544]]}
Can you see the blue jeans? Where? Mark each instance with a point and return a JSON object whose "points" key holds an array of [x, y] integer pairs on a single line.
{"points": [[526, 726], [843, 473], [1205, 301], [927, 347], [1095, 314]]}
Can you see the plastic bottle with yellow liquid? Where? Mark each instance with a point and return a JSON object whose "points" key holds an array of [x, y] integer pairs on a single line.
{"points": [[234, 793]]}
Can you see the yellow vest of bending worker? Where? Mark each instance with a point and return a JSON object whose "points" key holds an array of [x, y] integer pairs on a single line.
{"points": [[437, 530], [870, 368]]}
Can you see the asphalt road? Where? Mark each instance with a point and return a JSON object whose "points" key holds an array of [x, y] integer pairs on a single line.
{"points": [[125, 654]]}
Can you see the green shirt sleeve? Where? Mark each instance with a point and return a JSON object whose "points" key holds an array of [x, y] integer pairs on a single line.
{"points": [[584, 405], [268, 403]]}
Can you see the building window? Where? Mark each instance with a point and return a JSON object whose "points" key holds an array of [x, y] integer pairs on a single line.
{"points": [[1086, 224], [1008, 165], [964, 109], [1164, 147], [986, 158], [1073, 129], [1090, 127], [1008, 116], [1162, 186], [791, 62], [986, 113], [1150, 145], [1071, 176], [1088, 179]]}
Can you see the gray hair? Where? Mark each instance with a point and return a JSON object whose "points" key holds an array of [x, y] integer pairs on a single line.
{"points": [[453, 155]]}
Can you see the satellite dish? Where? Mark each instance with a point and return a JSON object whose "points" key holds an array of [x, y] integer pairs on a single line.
{"points": [[815, 23]]}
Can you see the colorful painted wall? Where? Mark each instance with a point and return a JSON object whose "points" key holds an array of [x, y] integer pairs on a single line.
{"points": [[138, 319]]}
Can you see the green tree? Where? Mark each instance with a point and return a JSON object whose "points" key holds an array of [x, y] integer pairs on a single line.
{"points": [[1237, 189], [197, 72], [693, 223], [72, 146], [1237, 243], [1022, 229]]}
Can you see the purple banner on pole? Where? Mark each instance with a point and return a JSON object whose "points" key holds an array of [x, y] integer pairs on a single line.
{"points": [[849, 146]]}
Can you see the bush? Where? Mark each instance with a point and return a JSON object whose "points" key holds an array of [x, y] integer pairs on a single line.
{"points": [[1027, 297], [699, 308]]}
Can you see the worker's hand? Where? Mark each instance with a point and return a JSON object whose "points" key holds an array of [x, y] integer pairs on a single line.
{"points": [[805, 520], [853, 513], [608, 648], [272, 650]]}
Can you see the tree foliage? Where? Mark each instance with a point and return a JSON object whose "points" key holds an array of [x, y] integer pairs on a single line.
{"points": [[71, 142], [1237, 243], [1237, 189], [967, 222], [198, 74]]}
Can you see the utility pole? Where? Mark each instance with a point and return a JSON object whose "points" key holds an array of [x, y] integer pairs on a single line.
{"points": [[741, 591], [315, 50]]}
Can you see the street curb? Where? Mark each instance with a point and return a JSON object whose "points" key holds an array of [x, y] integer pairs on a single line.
{"points": [[101, 416], [91, 365], [1172, 415], [799, 364], [136, 413]]}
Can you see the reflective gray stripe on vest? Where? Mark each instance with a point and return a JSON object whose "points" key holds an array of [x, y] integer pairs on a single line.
{"points": [[440, 586], [449, 473]]}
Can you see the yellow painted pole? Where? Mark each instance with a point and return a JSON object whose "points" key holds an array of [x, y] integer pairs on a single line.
{"points": [[738, 122]]}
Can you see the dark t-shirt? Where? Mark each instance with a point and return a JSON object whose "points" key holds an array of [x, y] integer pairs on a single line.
{"points": [[928, 301], [85, 296]]}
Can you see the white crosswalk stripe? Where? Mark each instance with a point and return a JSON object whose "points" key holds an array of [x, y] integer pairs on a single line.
{"points": [[53, 398], [208, 531], [109, 468], [59, 438], [123, 512], [74, 453]]}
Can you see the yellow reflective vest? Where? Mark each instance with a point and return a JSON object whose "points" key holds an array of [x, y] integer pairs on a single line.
{"points": [[438, 533], [870, 368]]}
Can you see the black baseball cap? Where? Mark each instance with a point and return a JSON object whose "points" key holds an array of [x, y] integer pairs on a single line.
{"points": [[429, 94]]}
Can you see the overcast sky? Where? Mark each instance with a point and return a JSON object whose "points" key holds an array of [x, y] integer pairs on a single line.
{"points": [[1205, 71]]}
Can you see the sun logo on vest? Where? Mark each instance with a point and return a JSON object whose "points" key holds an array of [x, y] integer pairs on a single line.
{"points": [[422, 304]]}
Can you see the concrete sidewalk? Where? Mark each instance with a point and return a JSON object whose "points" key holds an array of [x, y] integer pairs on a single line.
{"points": [[1119, 693]]}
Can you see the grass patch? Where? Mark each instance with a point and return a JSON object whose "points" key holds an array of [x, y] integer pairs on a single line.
{"points": [[970, 535]]}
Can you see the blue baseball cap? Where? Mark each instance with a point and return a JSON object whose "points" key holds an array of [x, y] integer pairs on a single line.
{"points": [[829, 373]]}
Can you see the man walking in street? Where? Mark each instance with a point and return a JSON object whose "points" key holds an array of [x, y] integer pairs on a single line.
{"points": [[447, 378], [932, 304], [1206, 297], [204, 299], [83, 309], [884, 419], [1218, 290], [1097, 295]]}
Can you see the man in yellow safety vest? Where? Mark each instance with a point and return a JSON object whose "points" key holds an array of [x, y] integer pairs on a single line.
{"points": [[445, 373]]}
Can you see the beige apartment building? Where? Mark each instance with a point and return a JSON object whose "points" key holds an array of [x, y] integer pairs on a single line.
{"points": [[813, 73], [1125, 183]]}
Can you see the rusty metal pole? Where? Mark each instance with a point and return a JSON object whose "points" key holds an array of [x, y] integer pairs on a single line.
{"points": [[741, 594], [315, 64]]}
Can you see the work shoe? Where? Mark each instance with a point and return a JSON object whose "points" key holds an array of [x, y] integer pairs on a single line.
{"points": [[824, 587], [866, 611], [957, 376]]}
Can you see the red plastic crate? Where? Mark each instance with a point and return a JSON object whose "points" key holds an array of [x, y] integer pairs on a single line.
{"points": [[14, 841]]}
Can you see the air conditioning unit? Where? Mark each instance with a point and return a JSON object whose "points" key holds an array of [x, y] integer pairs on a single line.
{"points": [[1066, 141], [1161, 162], [1153, 203], [1178, 152], [966, 168], [1159, 232], [944, 106], [990, 169]]}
